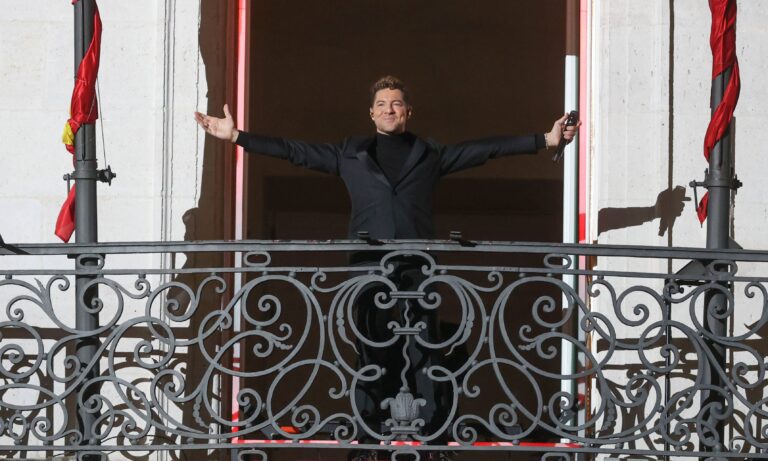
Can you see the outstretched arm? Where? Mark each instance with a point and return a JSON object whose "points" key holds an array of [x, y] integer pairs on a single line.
{"points": [[222, 128], [321, 157], [474, 153]]}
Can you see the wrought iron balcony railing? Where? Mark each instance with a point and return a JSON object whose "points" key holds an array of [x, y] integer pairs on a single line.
{"points": [[407, 349]]}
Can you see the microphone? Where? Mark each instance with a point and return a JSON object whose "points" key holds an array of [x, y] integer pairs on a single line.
{"points": [[573, 119]]}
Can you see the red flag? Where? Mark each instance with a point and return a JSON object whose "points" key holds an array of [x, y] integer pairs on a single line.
{"points": [[722, 40], [701, 209], [65, 223], [82, 110]]}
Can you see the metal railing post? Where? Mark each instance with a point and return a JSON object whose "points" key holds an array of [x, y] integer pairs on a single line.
{"points": [[86, 232], [719, 180]]}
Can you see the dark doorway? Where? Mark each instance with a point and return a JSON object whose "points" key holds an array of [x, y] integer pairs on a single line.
{"points": [[474, 69]]}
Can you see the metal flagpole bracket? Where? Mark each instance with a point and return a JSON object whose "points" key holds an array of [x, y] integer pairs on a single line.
{"points": [[710, 181], [105, 175], [68, 179]]}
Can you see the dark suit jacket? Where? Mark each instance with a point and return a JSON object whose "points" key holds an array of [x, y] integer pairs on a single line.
{"points": [[399, 210]]}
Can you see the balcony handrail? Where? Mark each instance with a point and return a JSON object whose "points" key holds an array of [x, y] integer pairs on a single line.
{"points": [[480, 246]]}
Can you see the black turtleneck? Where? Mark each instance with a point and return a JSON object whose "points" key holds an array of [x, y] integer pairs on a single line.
{"points": [[391, 153]]}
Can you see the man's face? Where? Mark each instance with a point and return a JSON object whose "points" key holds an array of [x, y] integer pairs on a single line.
{"points": [[390, 112]]}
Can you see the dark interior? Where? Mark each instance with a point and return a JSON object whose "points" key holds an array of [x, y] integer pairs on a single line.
{"points": [[474, 69]]}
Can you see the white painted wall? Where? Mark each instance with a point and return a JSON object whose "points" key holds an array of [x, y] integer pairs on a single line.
{"points": [[151, 79], [150, 83], [631, 146], [630, 143], [35, 68], [630, 64]]}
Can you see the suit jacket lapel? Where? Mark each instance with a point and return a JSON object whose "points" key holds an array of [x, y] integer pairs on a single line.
{"points": [[364, 156], [417, 152]]}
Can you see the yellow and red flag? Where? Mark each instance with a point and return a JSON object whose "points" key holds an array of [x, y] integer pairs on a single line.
{"points": [[82, 110]]}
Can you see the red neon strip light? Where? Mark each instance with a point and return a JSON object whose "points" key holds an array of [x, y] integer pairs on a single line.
{"points": [[584, 116], [241, 63], [239, 170], [411, 443]]}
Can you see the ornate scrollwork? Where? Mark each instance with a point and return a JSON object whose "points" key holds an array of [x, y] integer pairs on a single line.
{"points": [[404, 353]]}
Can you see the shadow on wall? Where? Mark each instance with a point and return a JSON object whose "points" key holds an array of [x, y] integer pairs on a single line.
{"points": [[668, 207]]}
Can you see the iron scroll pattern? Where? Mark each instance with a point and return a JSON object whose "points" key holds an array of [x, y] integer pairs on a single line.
{"points": [[164, 364]]}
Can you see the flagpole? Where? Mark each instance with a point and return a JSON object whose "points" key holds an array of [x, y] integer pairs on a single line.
{"points": [[86, 232], [719, 181]]}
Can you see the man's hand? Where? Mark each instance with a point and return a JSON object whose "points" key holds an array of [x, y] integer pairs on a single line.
{"points": [[222, 128], [559, 131]]}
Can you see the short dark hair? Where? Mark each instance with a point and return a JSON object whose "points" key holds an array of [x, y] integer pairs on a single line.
{"points": [[389, 82]]}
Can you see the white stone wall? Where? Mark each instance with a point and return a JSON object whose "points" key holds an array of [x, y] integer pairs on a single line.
{"points": [[36, 69], [629, 76], [151, 79], [633, 157], [630, 143], [150, 83]]}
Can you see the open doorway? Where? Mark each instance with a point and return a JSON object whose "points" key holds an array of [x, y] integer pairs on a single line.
{"points": [[474, 69]]}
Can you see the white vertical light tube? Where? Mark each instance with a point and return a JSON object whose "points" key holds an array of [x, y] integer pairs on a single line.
{"points": [[239, 153], [570, 190], [570, 212]]}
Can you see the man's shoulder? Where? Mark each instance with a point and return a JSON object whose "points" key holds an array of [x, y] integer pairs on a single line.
{"points": [[431, 145], [354, 144]]}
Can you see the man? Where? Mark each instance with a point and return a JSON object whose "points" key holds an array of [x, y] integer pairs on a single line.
{"points": [[390, 178]]}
